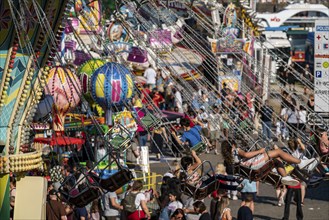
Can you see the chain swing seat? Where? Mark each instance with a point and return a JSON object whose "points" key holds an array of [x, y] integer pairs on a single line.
{"points": [[115, 181], [199, 148], [150, 121], [204, 186], [119, 138], [314, 174], [120, 142], [263, 174], [81, 193]]}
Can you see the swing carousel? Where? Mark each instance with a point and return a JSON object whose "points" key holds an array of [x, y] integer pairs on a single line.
{"points": [[68, 84]]}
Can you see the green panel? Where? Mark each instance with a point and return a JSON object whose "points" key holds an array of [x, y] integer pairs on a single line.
{"points": [[4, 197]]}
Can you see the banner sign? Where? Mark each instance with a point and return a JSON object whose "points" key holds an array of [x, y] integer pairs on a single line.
{"points": [[321, 66]]}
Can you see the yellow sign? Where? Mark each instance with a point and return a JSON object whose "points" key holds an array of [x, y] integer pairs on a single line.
{"points": [[231, 83], [126, 119]]}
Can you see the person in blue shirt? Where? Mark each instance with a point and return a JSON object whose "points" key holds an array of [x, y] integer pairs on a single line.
{"points": [[249, 188], [191, 135]]}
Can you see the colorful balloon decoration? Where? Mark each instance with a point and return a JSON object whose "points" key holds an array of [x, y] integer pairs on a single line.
{"points": [[85, 72], [111, 85], [65, 89]]}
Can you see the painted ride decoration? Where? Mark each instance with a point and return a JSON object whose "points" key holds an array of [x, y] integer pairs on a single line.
{"points": [[111, 86], [65, 88]]}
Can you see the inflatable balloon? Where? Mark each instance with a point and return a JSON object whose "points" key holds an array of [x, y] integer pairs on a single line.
{"points": [[85, 72], [111, 85], [65, 89]]}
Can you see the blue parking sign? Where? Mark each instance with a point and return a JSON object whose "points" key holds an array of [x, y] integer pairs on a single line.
{"points": [[318, 74]]}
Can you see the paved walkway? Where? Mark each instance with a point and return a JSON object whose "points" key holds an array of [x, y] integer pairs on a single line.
{"points": [[316, 202]]}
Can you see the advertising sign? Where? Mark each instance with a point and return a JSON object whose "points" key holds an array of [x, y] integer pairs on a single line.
{"points": [[231, 82], [321, 67], [227, 44]]}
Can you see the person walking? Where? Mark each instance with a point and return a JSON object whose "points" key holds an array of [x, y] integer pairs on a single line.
{"points": [[298, 198], [134, 203], [249, 188], [111, 206]]}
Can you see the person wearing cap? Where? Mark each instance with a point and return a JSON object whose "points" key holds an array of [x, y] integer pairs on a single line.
{"points": [[55, 210]]}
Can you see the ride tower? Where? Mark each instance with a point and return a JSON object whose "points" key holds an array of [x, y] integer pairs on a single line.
{"points": [[30, 32]]}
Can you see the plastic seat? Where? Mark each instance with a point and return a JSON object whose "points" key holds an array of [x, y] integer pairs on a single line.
{"points": [[263, 174], [201, 190], [204, 186], [83, 198], [115, 181], [150, 121], [199, 148], [120, 143]]}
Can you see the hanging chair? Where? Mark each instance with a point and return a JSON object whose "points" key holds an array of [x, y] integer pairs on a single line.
{"points": [[207, 186], [263, 174], [83, 198], [80, 193], [150, 121], [120, 138], [116, 180], [204, 186], [199, 147], [120, 142]]}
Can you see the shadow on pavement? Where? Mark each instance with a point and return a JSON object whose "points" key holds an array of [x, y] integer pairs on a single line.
{"points": [[265, 217], [319, 193], [266, 200]]}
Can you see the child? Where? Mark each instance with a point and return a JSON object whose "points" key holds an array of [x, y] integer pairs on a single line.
{"points": [[245, 211], [94, 211], [249, 188], [216, 195], [224, 211]]}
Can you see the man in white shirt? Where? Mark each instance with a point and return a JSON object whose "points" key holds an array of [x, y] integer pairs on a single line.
{"points": [[150, 75], [178, 100]]}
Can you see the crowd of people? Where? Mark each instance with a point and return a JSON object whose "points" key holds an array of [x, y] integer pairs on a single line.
{"points": [[210, 119]]}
